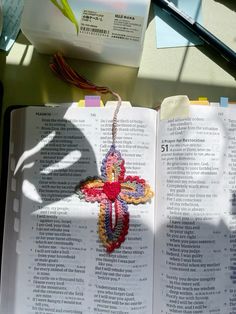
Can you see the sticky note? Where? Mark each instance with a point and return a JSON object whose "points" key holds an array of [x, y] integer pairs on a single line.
{"points": [[175, 107]]}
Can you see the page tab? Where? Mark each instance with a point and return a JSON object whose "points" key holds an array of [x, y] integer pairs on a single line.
{"points": [[18, 246], [17, 225], [12, 164], [16, 205], [13, 185], [91, 101], [200, 101], [224, 102]]}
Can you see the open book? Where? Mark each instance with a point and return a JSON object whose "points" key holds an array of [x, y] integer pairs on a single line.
{"points": [[179, 255]]}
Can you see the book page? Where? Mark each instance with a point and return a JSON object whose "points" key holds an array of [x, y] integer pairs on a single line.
{"points": [[196, 226], [60, 264]]}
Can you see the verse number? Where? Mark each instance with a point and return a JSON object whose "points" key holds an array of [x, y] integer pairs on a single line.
{"points": [[164, 148]]}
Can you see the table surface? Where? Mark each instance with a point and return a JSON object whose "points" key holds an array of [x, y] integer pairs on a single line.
{"points": [[191, 71]]}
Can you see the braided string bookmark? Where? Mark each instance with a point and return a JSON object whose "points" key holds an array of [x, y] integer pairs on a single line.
{"points": [[113, 190]]}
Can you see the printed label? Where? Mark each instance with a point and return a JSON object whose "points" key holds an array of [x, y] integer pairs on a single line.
{"points": [[111, 25]]}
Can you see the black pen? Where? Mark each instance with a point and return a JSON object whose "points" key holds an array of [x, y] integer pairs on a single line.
{"points": [[202, 33]]}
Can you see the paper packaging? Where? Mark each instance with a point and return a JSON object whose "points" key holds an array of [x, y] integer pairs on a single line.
{"points": [[1, 17], [110, 31]]}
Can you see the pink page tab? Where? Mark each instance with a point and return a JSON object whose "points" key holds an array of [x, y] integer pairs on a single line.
{"points": [[92, 101]]}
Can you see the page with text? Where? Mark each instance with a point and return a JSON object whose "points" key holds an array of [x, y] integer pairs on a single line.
{"points": [[195, 240], [61, 265]]}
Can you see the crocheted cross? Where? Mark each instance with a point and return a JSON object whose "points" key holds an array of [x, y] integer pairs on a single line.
{"points": [[114, 189]]}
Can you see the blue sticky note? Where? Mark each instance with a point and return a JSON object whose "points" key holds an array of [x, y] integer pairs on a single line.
{"points": [[169, 32]]}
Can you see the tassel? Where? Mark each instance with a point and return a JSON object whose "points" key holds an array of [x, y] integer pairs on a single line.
{"points": [[67, 74]]}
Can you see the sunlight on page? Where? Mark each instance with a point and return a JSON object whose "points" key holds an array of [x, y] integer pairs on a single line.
{"points": [[64, 163], [70, 112], [59, 231], [30, 191], [28, 166], [34, 150]]}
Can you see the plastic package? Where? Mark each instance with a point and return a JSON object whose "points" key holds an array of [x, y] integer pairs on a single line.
{"points": [[108, 31], [1, 17]]}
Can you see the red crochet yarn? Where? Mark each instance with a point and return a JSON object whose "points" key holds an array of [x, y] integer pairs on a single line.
{"points": [[112, 189]]}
